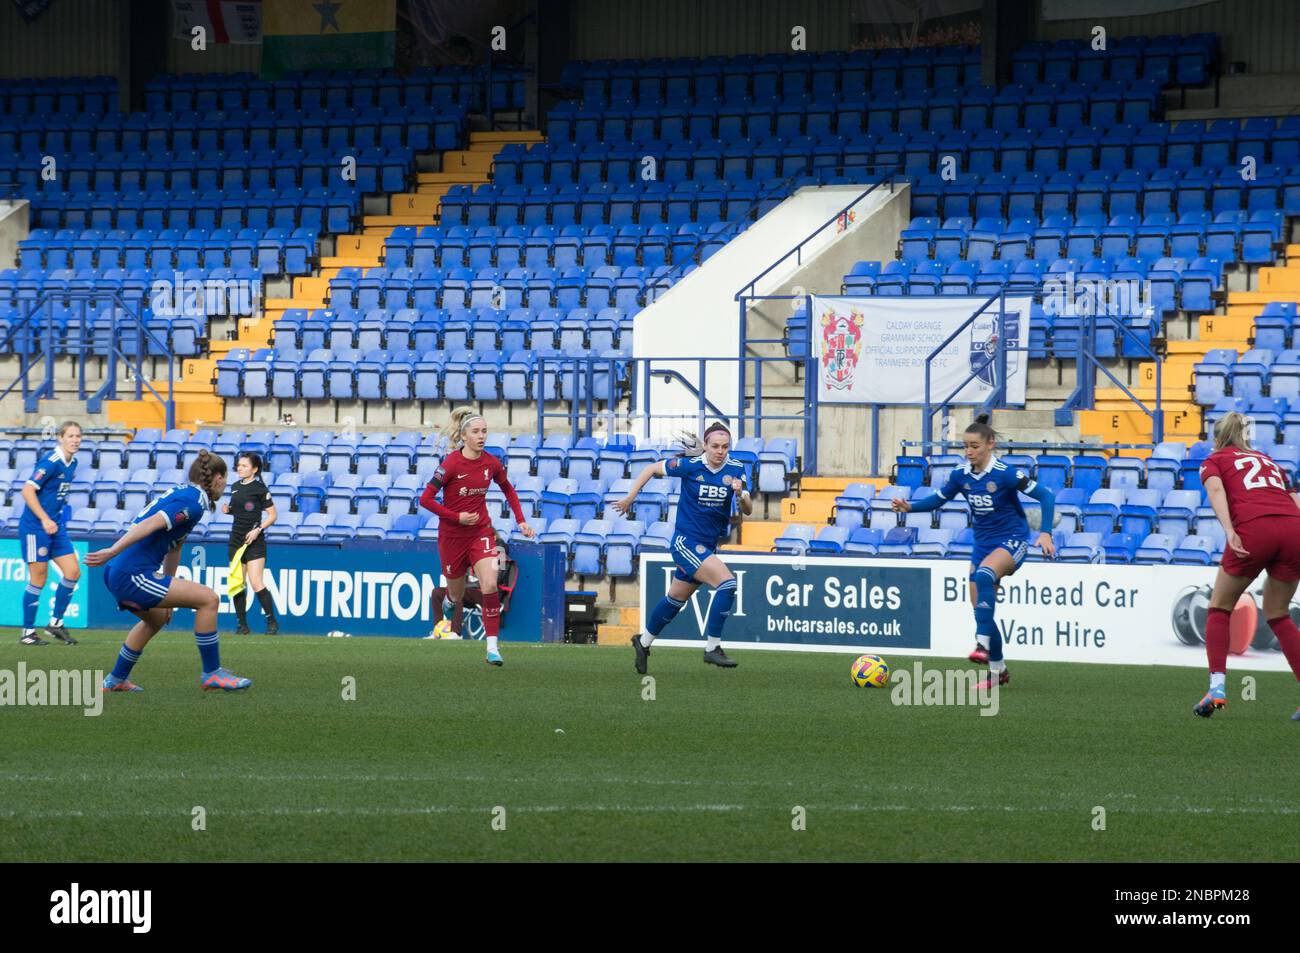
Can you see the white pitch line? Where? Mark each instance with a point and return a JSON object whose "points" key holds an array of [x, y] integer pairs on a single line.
{"points": [[389, 811], [383, 811]]}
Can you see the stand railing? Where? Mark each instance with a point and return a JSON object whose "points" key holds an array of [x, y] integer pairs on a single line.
{"points": [[43, 342], [592, 388]]}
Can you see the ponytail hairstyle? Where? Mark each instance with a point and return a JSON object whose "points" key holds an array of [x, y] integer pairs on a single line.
{"points": [[68, 425], [980, 426], [205, 469], [453, 431], [1230, 430], [254, 460], [693, 446]]}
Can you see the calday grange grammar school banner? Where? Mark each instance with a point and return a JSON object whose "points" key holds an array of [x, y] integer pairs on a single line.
{"points": [[873, 350]]}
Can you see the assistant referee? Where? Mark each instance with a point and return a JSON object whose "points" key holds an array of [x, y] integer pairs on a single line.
{"points": [[249, 500]]}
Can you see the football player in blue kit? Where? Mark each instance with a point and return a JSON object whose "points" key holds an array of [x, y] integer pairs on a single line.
{"points": [[140, 572], [43, 536], [1001, 531], [711, 480]]}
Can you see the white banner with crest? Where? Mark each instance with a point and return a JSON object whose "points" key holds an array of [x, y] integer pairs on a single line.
{"points": [[874, 350]]}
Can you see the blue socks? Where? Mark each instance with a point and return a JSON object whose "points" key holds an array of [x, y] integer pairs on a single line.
{"points": [[209, 651], [126, 660], [724, 597], [62, 596], [31, 600], [986, 600], [660, 616]]}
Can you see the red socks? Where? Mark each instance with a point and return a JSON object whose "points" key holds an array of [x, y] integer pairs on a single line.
{"points": [[1288, 636], [491, 614], [1216, 639]]}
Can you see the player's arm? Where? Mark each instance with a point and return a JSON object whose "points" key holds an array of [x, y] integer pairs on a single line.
{"points": [[429, 501], [34, 484], [657, 469], [932, 502], [138, 531], [1047, 508], [743, 500], [171, 562]]}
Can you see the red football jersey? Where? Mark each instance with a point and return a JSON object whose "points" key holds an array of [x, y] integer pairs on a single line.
{"points": [[1255, 485], [464, 484]]}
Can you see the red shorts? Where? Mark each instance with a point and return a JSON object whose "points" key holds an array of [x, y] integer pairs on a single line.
{"points": [[1273, 544], [458, 554]]}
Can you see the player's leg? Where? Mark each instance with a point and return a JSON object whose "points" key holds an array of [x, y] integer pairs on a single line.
{"points": [[485, 568], [37, 573], [1227, 590], [715, 573], [65, 558], [996, 564], [681, 589], [452, 555], [183, 594], [151, 620], [1278, 594], [980, 654], [456, 596], [253, 570]]}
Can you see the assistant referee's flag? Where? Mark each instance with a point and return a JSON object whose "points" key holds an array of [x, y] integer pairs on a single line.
{"points": [[235, 579]]}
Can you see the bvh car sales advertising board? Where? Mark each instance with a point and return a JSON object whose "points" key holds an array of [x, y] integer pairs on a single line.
{"points": [[1059, 612]]}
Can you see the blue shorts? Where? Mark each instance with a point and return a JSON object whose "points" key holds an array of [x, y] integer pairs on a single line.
{"points": [[1018, 548], [39, 546], [136, 591], [689, 555]]}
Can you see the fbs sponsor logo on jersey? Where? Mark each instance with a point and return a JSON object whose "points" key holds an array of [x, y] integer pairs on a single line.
{"points": [[842, 342]]}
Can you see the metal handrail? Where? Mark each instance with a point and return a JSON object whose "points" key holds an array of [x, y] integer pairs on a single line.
{"points": [[672, 274], [747, 290], [109, 387], [928, 408], [1084, 391]]}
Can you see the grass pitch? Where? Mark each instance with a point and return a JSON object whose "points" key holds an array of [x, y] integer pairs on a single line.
{"points": [[586, 769]]}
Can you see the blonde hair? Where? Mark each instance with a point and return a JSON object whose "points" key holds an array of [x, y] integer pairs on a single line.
{"points": [[453, 431], [1230, 431], [68, 425]]}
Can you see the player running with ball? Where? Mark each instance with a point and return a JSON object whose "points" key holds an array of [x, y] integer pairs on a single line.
{"points": [[1262, 521], [466, 537], [710, 481], [1001, 532]]}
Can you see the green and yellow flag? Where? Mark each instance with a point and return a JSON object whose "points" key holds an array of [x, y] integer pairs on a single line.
{"points": [[326, 34]]}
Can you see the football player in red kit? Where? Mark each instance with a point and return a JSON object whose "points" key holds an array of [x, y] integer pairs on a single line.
{"points": [[1262, 521], [466, 537]]}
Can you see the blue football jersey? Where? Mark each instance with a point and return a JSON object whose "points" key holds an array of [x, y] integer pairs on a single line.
{"points": [[52, 479], [994, 498], [704, 506], [183, 506]]}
